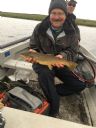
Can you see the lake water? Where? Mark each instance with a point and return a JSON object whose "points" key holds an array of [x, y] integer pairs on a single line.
{"points": [[12, 29]]}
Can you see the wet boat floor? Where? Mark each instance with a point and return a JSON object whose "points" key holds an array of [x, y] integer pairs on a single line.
{"points": [[72, 108]]}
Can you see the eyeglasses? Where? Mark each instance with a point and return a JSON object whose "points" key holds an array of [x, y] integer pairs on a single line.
{"points": [[70, 4]]}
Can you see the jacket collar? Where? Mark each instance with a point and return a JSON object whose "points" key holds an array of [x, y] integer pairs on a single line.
{"points": [[49, 33]]}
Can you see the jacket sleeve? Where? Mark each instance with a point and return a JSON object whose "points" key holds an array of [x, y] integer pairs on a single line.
{"points": [[34, 40], [71, 52], [72, 20], [77, 30]]}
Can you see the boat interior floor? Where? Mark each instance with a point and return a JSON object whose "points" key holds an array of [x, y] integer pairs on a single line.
{"points": [[72, 108]]}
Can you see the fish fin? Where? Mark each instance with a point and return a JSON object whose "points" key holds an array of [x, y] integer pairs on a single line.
{"points": [[50, 67], [73, 67], [22, 56]]}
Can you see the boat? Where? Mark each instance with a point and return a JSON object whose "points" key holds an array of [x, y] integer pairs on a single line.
{"points": [[11, 64]]}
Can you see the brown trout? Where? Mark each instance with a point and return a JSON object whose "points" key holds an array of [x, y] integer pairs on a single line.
{"points": [[48, 59]]}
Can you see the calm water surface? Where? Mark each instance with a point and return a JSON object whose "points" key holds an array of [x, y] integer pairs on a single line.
{"points": [[12, 29]]}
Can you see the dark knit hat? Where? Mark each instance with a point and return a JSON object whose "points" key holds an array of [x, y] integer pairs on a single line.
{"points": [[72, 2], [58, 4]]}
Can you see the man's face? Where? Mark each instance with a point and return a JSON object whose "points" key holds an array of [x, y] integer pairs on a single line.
{"points": [[70, 7], [57, 17]]}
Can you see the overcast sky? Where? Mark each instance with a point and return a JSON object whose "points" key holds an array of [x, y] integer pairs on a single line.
{"points": [[85, 9]]}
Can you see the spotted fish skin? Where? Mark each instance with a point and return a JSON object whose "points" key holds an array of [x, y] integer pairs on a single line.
{"points": [[48, 59]]}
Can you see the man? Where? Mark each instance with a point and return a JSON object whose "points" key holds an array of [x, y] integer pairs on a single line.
{"points": [[71, 17], [55, 36]]}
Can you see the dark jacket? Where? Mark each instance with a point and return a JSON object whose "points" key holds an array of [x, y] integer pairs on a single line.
{"points": [[71, 18], [66, 42]]}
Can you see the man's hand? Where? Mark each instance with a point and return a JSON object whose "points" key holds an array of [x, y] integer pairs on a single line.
{"points": [[59, 65], [59, 56], [29, 59], [32, 50]]}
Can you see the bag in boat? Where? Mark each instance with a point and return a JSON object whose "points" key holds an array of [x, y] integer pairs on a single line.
{"points": [[2, 121], [85, 71], [5, 86], [24, 98]]}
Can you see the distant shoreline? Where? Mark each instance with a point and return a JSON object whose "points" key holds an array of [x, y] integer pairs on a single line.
{"points": [[38, 17]]}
